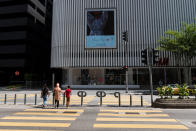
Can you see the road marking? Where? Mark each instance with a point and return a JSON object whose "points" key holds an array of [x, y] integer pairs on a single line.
{"points": [[103, 110], [26, 130], [47, 114], [134, 119], [38, 118], [30, 124], [139, 126], [55, 110], [133, 115]]}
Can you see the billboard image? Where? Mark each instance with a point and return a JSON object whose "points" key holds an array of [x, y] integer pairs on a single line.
{"points": [[100, 27]]}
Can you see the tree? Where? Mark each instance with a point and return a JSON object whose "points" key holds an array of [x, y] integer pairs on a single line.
{"points": [[182, 44]]}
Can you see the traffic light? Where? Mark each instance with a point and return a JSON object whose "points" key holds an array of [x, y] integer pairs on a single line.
{"points": [[125, 36], [125, 68], [144, 56], [155, 54]]}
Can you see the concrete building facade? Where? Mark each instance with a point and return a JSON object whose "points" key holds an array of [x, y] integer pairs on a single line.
{"points": [[144, 20]]}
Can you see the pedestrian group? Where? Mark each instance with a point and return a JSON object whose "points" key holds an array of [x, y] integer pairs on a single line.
{"points": [[56, 94]]}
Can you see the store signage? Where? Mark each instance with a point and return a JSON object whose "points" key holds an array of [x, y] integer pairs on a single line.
{"points": [[163, 61]]}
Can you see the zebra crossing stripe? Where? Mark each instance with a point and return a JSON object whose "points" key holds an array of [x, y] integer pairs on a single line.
{"points": [[26, 130], [134, 119], [133, 115], [105, 110], [31, 124], [47, 114], [55, 110], [38, 118], [162, 126]]}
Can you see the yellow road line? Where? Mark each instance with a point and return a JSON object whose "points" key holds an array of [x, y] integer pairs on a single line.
{"points": [[103, 110], [134, 119], [25, 130], [133, 115], [31, 124], [47, 114], [38, 118], [139, 126], [67, 110]]}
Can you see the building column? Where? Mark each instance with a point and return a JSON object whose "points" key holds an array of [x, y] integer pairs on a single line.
{"points": [[187, 76], [130, 76], [70, 76], [65, 76]]}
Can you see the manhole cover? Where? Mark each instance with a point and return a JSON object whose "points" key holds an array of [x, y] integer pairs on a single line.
{"points": [[69, 112], [131, 113], [92, 105], [194, 122]]}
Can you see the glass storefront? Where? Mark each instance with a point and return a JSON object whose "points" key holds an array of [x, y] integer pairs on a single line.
{"points": [[136, 76]]}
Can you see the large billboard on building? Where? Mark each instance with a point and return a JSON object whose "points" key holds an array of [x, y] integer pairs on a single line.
{"points": [[100, 28]]}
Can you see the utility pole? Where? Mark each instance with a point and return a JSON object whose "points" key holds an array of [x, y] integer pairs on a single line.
{"points": [[150, 62], [149, 58]]}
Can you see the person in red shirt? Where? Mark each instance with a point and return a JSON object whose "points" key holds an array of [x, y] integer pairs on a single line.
{"points": [[68, 93]]}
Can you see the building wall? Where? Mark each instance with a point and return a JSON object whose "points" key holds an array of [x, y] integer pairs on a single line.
{"points": [[24, 39], [145, 20]]}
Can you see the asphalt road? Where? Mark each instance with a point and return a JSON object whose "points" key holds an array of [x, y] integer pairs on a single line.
{"points": [[93, 117]]}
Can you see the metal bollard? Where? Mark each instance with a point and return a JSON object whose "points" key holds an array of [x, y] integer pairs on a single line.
{"points": [[35, 99], [117, 94], [64, 98], [25, 98], [5, 100], [82, 94], [130, 100], [141, 100], [15, 99], [100, 94]]}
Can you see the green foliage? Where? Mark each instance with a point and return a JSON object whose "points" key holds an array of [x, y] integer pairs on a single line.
{"points": [[169, 91], [13, 86], [165, 91], [180, 42], [194, 91], [183, 91], [161, 91]]}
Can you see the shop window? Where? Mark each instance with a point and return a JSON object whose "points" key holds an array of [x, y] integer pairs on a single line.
{"points": [[115, 77]]}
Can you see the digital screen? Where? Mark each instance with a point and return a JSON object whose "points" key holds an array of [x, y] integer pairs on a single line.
{"points": [[100, 28]]}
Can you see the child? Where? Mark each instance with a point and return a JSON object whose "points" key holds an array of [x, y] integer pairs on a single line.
{"points": [[68, 93]]}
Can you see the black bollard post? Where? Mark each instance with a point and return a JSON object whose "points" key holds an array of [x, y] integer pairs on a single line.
{"points": [[82, 94], [15, 99], [100, 94], [64, 98], [141, 101], [25, 98], [195, 95], [82, 101], [130, 100], [35, 99], [101, 98], [119, 101], [5, 101]]}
